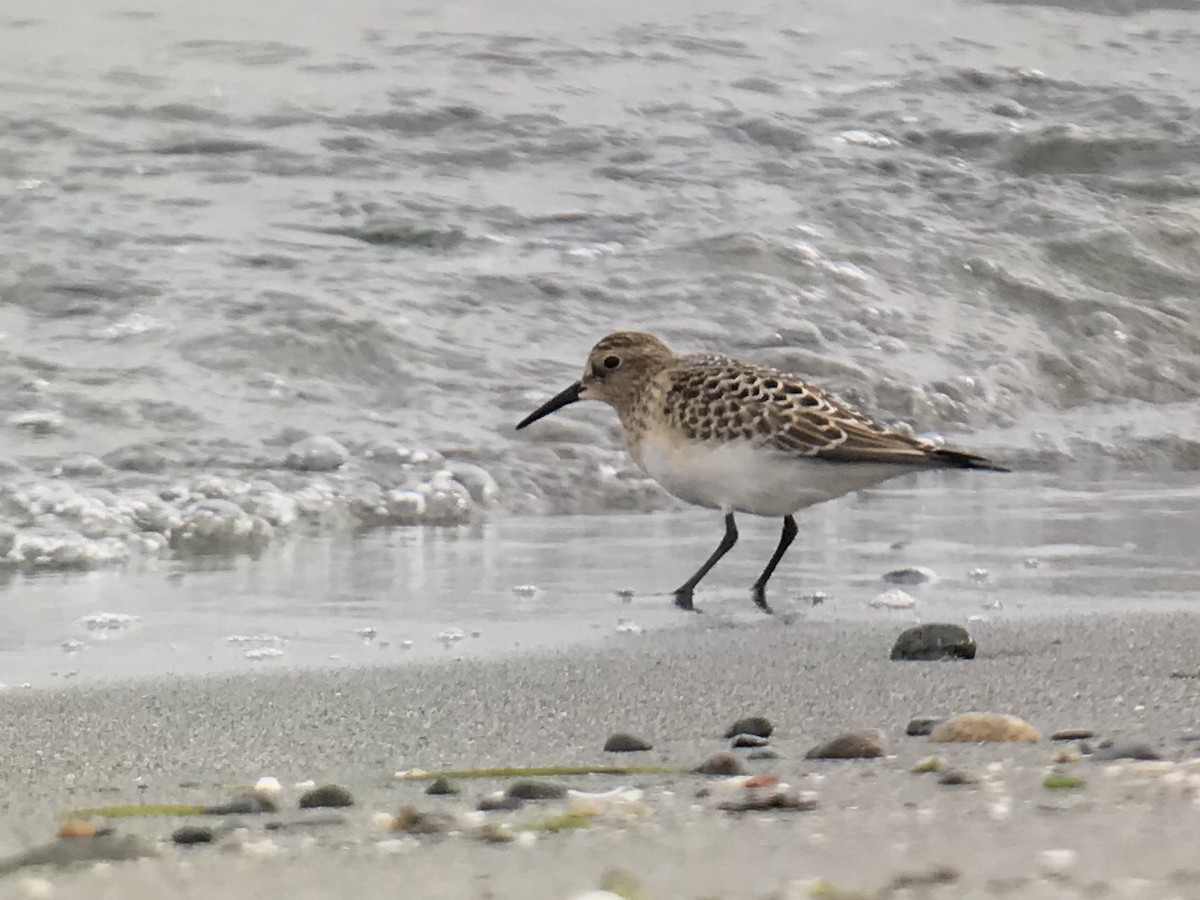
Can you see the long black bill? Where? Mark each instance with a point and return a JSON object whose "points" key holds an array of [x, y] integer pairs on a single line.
{"points": [[558, 401]]}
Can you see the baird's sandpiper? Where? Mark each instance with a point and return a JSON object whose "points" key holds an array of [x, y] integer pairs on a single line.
{"points": [[737, 437]]}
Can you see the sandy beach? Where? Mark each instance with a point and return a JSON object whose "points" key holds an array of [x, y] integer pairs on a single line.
{"points": [[1128, 831]]}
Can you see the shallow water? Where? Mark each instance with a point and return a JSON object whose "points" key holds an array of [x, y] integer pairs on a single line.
{"points": [[1001, 548], [277, 275]]}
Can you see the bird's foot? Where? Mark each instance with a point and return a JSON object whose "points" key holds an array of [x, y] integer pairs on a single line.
{"points": [[759, 593], [683, 599]]}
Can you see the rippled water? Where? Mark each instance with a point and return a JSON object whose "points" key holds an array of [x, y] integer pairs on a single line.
{"points": [[278, 268]]}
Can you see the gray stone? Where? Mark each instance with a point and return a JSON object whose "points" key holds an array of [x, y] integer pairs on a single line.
{"points": [[749, 740], [932, 641], [536, 790], [327, 795], [1125, 749], [721, 764], [922, 727], [755, 725], [851, 745], [621, 742]]}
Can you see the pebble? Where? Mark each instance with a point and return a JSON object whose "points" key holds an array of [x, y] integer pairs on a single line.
{"points": [[910, 575], [442, 787], [929, 764], [974, 727], [495, 833], [755, 725], [1072, 734], [186, 835], [921, 727], [724, 763], [535, 790], [893, 598], [764, 753], [1068, 755], [749, 740], [932, 641], [327, 795], [759, 801], [851, 745], [1126, 749], [957, 777], [243, 805], [499, 803], [623, 742], [413, 821]]}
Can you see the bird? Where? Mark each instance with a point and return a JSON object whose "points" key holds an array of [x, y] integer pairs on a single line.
{"points": [[742, 438]]}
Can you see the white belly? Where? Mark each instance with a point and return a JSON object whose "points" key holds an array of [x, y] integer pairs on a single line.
{"points": [[739, 477]]}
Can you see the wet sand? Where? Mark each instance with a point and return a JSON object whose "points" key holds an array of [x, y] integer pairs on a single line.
{"points": [[1132, 825]]}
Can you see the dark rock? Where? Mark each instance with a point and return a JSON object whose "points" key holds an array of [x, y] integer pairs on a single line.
{"points": [[956, 777], [414, 821], [934, 640], [749, 740], [756, 802], [721, 764], [106, 846], [622, 742], [243, 805], [327, 795], [851, 745], [442, 787], [536, 790], [1072, 734], [764, 753], [193, 834], [1127, 749], [501, 803], [755, 725], [308, 822], [909, 575], [922, 727]]}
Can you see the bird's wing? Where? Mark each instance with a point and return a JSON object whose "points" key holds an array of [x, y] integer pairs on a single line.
{"points": [[713, 397]]}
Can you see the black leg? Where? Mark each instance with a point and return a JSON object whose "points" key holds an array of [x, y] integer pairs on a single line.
{"points": [[785, 541], [683, 596]]}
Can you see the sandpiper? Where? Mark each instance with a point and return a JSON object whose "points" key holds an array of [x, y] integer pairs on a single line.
{"points": [[738, 437]]}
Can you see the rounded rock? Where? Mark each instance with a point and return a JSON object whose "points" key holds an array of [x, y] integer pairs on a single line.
{"points": [[535, 790], [1125, 749], [622, 742], [851, 745], [442, 787], [187, 835], [749, 740], [910, 575], [721, 764], [932, 641], [922, 726], [978, 727], [1072, 734], [755, 725], [326, 796]]}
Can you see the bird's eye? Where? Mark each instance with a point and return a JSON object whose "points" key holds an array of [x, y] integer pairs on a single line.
{"points": [[611, 362]]}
